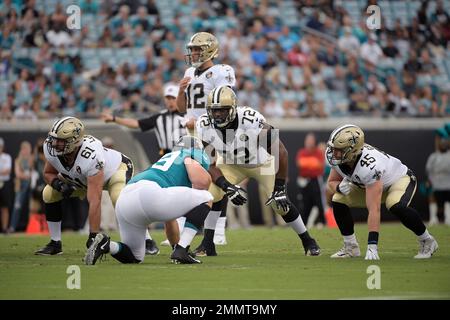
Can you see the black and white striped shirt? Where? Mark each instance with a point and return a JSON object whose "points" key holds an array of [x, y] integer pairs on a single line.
{"points": [[168, 128]]}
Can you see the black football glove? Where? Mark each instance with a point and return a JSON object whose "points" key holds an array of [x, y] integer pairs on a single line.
{"points": [[279, 196], [234, 192], [64, 188]]}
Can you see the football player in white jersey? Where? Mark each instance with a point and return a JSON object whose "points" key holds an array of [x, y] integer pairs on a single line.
{"points": [[364, 177], [242, 145], [200, 78], [78, 165]]}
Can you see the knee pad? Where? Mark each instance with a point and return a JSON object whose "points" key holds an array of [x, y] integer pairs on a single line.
{"points": [[53, 211], [219, 205], [197, 216]]}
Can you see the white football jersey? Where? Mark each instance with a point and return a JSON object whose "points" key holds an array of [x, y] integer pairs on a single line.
{"points": [[242, 146], [202, 84], [375, 165], [91, 157]]}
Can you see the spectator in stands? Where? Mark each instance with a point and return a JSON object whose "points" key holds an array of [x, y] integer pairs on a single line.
{"points": [[142, 19], [310, 162], [348, 42], [371, 51], [5, 196], [24, 112], [287, 39], [23, 166]]}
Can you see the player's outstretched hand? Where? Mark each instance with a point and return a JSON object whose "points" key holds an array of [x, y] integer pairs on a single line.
{"points": [[107, 117], [372, 252], [280, 198]]}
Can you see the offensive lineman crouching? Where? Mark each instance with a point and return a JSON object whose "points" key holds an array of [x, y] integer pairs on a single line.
{"points": [[365, 177], [246, 147], [78, 165]]}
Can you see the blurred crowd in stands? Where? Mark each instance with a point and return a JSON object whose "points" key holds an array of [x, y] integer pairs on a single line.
{"points": [[295, 59]]}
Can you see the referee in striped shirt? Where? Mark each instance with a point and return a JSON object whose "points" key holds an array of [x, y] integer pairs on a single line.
{"points": [[168, 124]]}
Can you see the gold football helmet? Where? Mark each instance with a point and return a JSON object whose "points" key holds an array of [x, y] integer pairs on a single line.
{"points": [[65, 136], [345, 144], [209, 49], [221, 106]]}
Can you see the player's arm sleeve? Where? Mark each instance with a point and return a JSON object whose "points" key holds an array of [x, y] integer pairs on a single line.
{"points": [[96, 161], [148, 123], [226, 78]]}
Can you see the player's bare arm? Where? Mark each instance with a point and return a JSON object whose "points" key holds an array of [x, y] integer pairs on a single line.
{"points": [[94, 197], [127, 122], [334, 179], [181, 98], [199, 177]]}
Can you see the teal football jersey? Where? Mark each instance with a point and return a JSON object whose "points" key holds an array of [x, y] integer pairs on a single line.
{"points": [[170, 170]]}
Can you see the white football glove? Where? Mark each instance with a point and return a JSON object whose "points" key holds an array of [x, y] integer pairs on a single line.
{"points": [[372, 252], [345, 187]]}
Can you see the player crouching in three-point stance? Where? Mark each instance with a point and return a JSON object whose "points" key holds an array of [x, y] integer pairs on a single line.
{"points": [[246, 147], [365, 177], [178, 181], [78, 165]]}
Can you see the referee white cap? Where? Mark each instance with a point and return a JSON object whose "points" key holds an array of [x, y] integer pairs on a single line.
{"points": [[171, 90]]}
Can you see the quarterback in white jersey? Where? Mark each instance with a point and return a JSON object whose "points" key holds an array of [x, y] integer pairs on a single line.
{"points": [[78, 165], [246, 147], [198, 81], [202, 76], [365, 177]]}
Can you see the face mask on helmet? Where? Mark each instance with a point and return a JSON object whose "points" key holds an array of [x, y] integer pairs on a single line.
{"points": [[344, 145], [195, 56], [221, 117], [336, 156], [202, 47], [221, 106], [65, 136]]}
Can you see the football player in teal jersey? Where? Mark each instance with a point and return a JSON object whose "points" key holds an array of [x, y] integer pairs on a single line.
{"points": [[178, 181]]}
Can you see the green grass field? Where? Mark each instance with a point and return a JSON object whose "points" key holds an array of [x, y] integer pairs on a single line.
{"points": [[257, 264]]}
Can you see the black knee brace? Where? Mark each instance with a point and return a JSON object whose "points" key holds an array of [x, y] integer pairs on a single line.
{"points": [[343, 218], [219, 205], [53, 211], [197, 216], [291, 215]]}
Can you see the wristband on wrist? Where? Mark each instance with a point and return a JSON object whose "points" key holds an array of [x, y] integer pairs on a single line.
{"points": [[222, 183], [373, 237], [56, 184]]}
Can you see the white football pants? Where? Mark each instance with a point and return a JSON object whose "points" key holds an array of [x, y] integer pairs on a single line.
{"points": [[144, 202]]}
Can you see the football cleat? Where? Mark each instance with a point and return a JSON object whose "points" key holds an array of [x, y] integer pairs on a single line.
{"points": [[203, 251], [98, 248], [311, 247], [349, 250], [151, 248], [426, 248], [181, 255], [220, 239], [52, 248]]}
